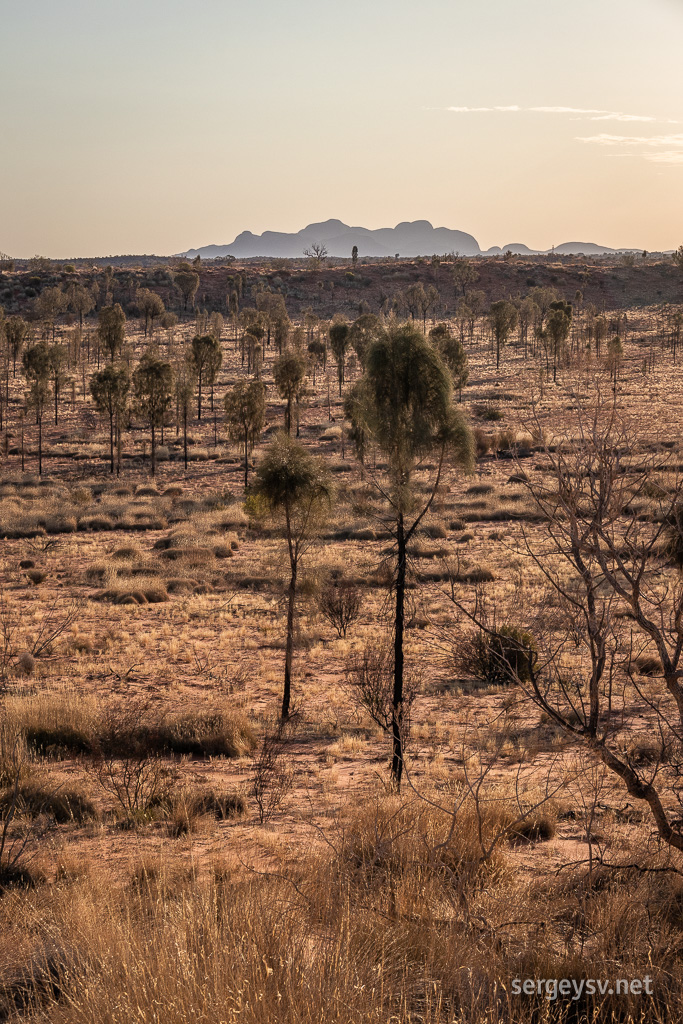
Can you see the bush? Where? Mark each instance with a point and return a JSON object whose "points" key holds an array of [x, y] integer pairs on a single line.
{"points": [[488, 412], [33, 800], [340, 604], [207, 734], [482, 441], [501, 657]]}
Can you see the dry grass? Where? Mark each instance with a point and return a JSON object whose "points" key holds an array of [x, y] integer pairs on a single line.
{"points": [[391, 920], [384, 912]]}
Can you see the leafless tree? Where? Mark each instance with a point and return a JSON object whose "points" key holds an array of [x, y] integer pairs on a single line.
{"points": [[610, 551]]}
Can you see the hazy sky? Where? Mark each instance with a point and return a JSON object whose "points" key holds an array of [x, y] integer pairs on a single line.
{"points": [[150, 126]]}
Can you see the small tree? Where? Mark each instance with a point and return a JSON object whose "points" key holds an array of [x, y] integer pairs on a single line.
{"points": [[82, 301], [403, 405], [354, 256], [111, 329], [37, 369], [464, 275], [151, 306], [453, 353], [503, 320], [362, 332], [288, 373], [153, 386], [48, 305], [16, 332], [339, 343], [295, 486], [317, 252], [109, 389], [206, 356], [57, 358], [245, 412], [557, 326], [184, 383], [188, 282]]}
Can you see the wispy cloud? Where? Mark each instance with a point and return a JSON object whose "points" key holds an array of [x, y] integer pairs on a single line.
{"points": [[668, 157], [645, 146], [579, 113], [633, 140]]}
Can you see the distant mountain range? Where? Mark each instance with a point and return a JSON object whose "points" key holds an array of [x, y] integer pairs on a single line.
{"points": [[410, 238]]}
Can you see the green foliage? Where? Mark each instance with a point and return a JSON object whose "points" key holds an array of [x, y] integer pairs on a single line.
{"points": [[339, 343], [288, 477], [500, 657], [16, 333], [206, 357], [109, 389], [36, 361], [150, 305], [362, 333], [503, 318], [188, 282], [403, 405], [289, 371], [152, 382], [111, 329], [453, 354], [245, 413]]}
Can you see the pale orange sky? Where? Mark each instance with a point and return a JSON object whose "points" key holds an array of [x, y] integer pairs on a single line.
{"points": [[155, 126]]}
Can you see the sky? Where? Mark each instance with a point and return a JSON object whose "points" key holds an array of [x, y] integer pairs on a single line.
{"points": [[153, 126]]}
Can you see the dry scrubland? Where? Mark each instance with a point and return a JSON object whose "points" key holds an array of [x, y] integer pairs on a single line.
{"points": [[167, 853]]}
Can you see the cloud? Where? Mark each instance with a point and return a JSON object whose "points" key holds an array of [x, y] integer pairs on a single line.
{"points": [[643, 145], [633, 140], [589, 114], [668, 157], [483, 110]]}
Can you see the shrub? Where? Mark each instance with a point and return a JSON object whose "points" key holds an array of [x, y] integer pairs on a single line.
{"points": [[482, 441], [34, 799], [488, 412], [435, 531], [189, 807], [340, 604], [207, 734], [647, 665], [500, 657]]}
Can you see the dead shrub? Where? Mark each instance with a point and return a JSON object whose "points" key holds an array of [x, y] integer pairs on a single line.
{"points": [[340, 604], [369, 681], [272, 778]]}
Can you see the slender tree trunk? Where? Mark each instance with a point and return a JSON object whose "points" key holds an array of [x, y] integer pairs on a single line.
{"points": [[111, 442], [399, 622], [40, 445], [199, 400], [286, 695], [118, 442], [246, 459], [154, 451]]}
